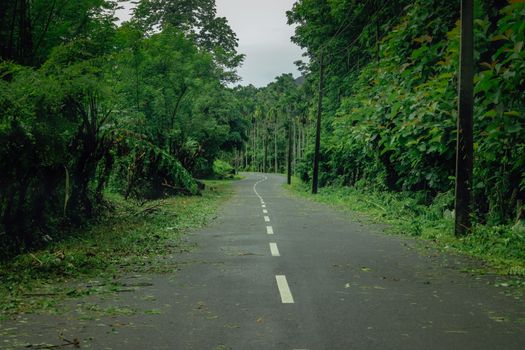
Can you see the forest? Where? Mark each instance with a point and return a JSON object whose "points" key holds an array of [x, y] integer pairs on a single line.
{"points": [[87, 106], [389, 112], [145, 108]]}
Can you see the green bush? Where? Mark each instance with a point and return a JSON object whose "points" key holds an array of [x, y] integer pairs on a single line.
{"points": [[223, 170]]}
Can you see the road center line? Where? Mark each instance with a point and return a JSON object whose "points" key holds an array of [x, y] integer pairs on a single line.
{"points": [[269, 230], [266, 218], [255, 188], [284, 289], [274, 249]]}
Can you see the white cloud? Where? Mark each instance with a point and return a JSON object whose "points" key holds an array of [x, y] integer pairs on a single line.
{"points": [[264, 37]]}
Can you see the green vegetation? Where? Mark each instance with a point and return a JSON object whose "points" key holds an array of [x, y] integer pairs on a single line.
{"points": [[87, 106], [134, 237], [503, 247], [223, 170], [390, 111], [391, 97]]}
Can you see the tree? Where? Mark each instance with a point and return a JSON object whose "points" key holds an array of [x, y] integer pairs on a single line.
{"points": [[391, 99], [87, 107], [29, 30], [465, 143], [197, 19]]}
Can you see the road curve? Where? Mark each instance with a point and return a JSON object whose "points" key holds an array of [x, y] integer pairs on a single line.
{"points": [[278, 272]]}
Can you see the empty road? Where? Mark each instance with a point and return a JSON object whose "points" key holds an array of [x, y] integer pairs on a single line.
{"points": [[274, 271]]}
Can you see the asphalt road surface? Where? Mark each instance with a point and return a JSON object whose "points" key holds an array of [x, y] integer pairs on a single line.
{"points": [[274, 271]]}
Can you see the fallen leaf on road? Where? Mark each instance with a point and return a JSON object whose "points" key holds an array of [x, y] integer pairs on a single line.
{"points": [[232, 325], [118, 324], [456, 331], [152, 312]]}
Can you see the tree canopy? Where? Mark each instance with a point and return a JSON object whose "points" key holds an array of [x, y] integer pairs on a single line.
{"points": [[86, 106], [390, 106]]}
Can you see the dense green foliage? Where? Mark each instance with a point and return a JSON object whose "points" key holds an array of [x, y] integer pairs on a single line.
{"points": [[86, 105], [390, 107]]}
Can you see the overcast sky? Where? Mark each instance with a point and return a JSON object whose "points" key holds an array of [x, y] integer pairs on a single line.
{"points": [[264, 37]]}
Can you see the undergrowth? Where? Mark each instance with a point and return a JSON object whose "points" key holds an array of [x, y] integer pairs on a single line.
{"points": [[503, 247], [133, 237]]}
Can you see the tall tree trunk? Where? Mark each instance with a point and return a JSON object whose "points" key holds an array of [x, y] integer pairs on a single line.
{"points": [[46, 28], [294, 145], [306, 136], [265, 158], [290, 145], [177, 106], [257, 145], [254, 148], [25, 46], [8, 23], [276, 164], [464, 146], [298, 140], [137, 80], [245, 156], [315, 172]]}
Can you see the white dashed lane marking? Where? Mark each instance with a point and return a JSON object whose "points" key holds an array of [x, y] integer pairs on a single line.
{"points": [[284, 289], [282, 283], [274, 249], [255, 188]]}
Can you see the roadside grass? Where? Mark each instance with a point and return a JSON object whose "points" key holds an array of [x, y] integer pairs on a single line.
{"points": [[133, 237], [501, 247]]}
